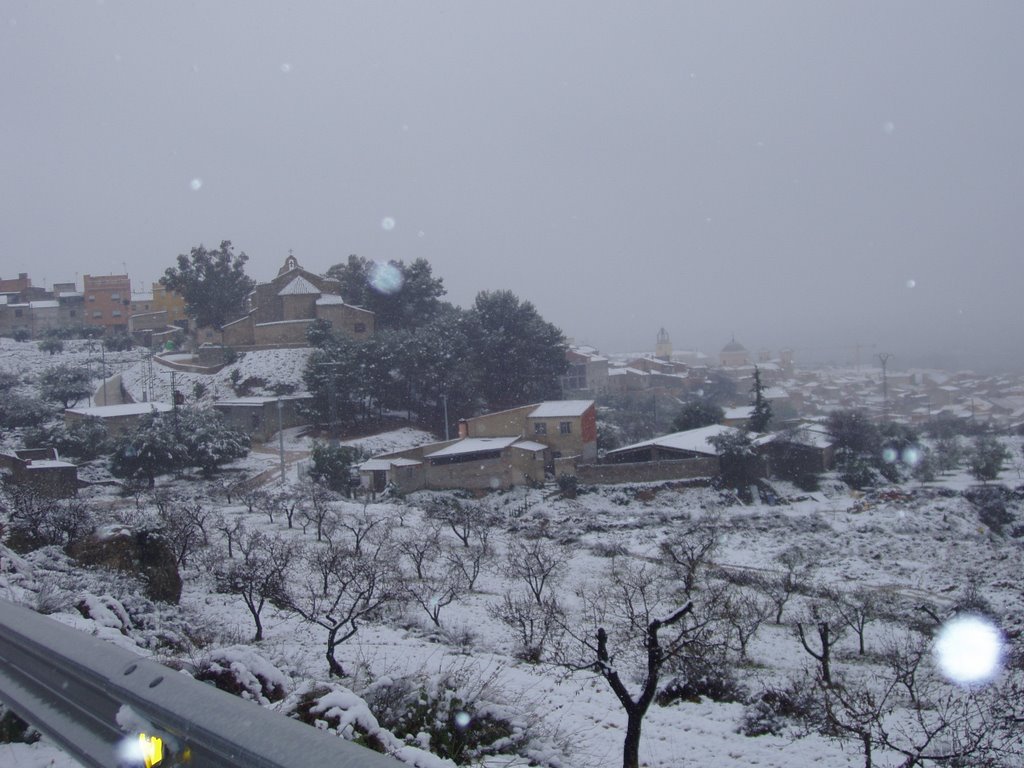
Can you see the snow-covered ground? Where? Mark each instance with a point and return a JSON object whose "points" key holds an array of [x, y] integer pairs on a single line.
{"points": [[922, 545], [927, 546]]}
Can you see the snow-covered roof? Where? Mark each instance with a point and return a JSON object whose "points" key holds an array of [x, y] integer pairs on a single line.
{"points": [[257, 401], [741, 412], [299, 285], [473, 445], [330, 298], [48, 464], [556, 408], [813, 435], [692, 440], [125, 409], [382, 465], [530, 445], [774, 393]]}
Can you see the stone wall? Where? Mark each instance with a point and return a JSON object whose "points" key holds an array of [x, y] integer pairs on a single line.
{"points": [[644, 472]]}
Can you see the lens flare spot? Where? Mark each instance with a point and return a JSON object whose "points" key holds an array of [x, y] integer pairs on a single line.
{"points": [[387, 223], [196, 184], [911, 283], [386, 278], [968, 649], [889, 455], [462, 719], [286, 68], [911, 456], [889, 127]]}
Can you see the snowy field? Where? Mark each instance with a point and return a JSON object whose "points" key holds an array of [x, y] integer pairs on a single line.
{"points": [[913, 545], [928, 547]]}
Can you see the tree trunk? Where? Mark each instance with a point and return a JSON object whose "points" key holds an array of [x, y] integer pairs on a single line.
{"points": [[332, 663], [631, 744]]}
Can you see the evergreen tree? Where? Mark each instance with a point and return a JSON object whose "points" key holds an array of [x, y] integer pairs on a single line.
{"points": [[52, 345], [739, 463], [208, 442], [151, 449], [400, 295], [332, 465], [762, 415], [65, 384], [212, 282], [695, 414], [517, 354], [986, 457]]}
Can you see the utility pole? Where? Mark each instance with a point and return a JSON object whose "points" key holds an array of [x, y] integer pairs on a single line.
{"points": [[883, 358], [444, 399], [280, 435], [103, 357], [332, 399]]}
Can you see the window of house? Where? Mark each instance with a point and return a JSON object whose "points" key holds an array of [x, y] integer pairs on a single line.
{"points": [[97, 314], [73, 313], [92, 297], [116, 313], [565, 427], [360, 328], [17, 313], [540, 428], [115, 296]]}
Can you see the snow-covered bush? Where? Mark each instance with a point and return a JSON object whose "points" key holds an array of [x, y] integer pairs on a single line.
{"points": [[15, 730], [778, 710], [455, 714], [241, 671], [703, 678]]}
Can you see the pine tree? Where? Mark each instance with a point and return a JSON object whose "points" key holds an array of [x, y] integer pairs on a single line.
{"points": [[762, 414]]}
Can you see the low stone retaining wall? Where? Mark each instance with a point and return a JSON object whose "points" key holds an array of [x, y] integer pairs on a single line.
{"points": [[647, 471]]}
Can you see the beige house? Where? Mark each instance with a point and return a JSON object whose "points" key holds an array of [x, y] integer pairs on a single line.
{"points": [[567, 427], [41, 471], [473, 463], [494, 451], [281, 311], [118, 419]]}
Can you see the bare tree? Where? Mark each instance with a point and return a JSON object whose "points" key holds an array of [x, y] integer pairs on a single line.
{"points": [[533, 624], [459, 515], [259, 575], [436, 589], [233, 529], [690, 550], [184, 524], [793, 577], [941, 724], [469, 561], [341, 592], [419, 547], [361, 526], [647, 636], [537, 563], [744, 614], [829, 629], [318, 509], [856, 610], [253, 500]]}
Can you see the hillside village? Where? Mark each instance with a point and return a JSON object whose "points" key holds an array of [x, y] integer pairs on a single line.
{"points": [[760, 529]]}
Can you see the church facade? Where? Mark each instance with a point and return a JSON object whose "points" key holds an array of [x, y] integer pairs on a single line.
{"points": [[280, 311]]}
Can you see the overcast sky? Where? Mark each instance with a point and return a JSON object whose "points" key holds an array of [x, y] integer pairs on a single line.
{"points": [[804, 174]]}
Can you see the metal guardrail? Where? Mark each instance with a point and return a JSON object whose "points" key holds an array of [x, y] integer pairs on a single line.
{"points": [[93, 697]]}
